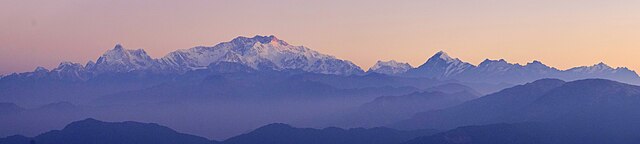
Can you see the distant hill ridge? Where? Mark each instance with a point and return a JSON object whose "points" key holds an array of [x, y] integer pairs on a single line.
{"points": [[97, 132]]}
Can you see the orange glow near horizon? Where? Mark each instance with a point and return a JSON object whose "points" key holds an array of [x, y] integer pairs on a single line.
{"points": [[562, 34]]}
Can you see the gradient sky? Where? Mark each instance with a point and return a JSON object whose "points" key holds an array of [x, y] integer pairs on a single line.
{"points": [[562, 33]]}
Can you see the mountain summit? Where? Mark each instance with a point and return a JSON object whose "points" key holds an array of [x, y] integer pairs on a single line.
{"points": [[391, 67], [260, 53], [120, 59], [441, 65]]}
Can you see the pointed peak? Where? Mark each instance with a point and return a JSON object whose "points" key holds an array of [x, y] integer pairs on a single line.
{"points": [[90, 64], [443, 55], [118, 47], [602, 65], [41, 69]]}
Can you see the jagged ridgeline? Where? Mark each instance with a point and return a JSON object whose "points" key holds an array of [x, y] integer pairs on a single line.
{"points": [[443, 66], [268, 53], [233, 87], [259, 53]]}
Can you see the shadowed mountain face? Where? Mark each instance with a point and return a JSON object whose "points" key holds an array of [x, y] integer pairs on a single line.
{"points": [[389, 109], [592, 111], [546, 100], [285, 134], [487, 109], [98, 132]]}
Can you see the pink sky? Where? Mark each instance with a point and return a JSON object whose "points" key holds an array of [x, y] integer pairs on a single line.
{"points": [[559, 33]]}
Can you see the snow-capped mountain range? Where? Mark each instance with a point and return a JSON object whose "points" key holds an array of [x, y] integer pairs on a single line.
{"points": [[442, 66], [259, 53], [270, 53]]}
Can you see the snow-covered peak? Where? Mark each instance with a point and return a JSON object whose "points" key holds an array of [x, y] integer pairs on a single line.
{"points": [[444, 56], [603, 66], [597, 68], [90, 64], [41, 69], [391, 63], [120, 59], [68, 66], [118, 47], [441, 65], [260, 53], [69, 71], [391, 67]]}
